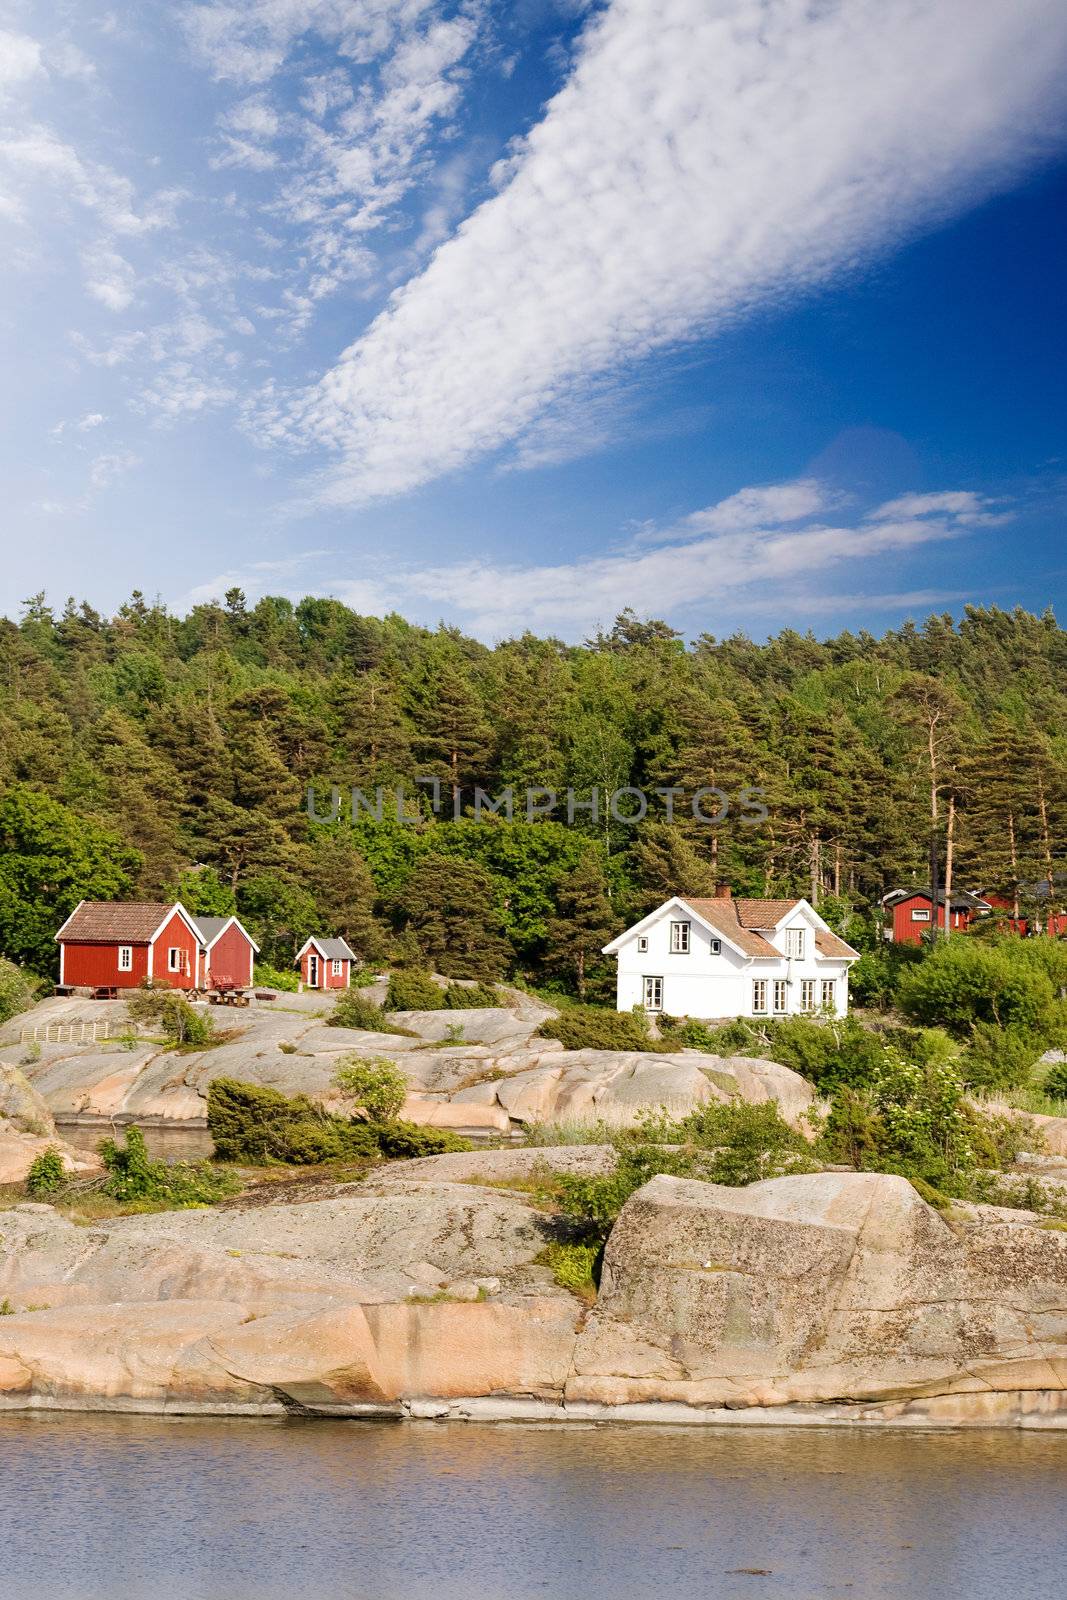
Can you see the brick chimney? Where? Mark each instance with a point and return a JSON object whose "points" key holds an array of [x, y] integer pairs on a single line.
{"points": [[723, 891]]}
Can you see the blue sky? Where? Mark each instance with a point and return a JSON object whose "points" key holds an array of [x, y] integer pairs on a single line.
{"points": [[744, 314]]}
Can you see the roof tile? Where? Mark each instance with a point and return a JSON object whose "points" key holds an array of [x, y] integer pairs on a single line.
{"points": [[111, 922]]}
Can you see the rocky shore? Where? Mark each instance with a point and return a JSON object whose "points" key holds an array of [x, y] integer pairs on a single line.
{"points": [[421, 1292]]}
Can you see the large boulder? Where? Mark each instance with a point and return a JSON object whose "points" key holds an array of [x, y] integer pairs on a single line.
{"points": [[818, 1288]]}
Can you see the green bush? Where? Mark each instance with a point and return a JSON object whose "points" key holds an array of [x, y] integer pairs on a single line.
{"points": [[260, 1126], [17, 989], [171, 1012], [257, 1125], [412, 990], [591, 1028], [734, 1143], [406, 1140], [47, 1174], [133, 1176], [999, 1058], [575, 1266], [472, 997], [1055, 1083], [268, 977], [916, 1121], [963, 982], [375, 1084], [354, 1010]]}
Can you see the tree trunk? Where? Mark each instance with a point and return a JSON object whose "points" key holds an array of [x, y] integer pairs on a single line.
{"points": [[1046, 849], [1014, 867], [580, 969], [815, 858], [837, 867], [949, 829]]}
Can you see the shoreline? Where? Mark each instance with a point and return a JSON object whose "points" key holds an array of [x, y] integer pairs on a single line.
{"points": [[1027, 1410]]}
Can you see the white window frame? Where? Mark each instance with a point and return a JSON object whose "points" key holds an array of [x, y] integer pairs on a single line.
{"points": [[759, 997], [681, 938], [337, 966], [642, 944], [919, 914], [780, 992], [828, 994], [715, 947], [794, 943], [652, 991], [125, 957], [175, 962], [807, 994]]}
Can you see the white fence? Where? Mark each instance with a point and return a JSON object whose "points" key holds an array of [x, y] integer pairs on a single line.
{"points": [[77, 1032]]}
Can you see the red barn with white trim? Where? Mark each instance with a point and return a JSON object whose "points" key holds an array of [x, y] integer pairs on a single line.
{"points": [[112, 945]]}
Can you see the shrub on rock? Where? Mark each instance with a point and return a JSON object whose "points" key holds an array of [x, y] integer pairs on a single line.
{"points": [[259, 1126], [593, 1028], [414, 991]]}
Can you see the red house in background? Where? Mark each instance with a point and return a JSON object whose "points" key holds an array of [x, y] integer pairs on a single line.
{"points": [[325, 964], [910, 913], [104, 945], [227, 953]]}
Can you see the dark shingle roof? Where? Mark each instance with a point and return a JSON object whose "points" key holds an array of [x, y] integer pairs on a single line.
{"points": [[111, 922], [335, 949]]}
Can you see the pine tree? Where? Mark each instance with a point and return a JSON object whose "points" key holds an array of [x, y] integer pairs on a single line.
{"points": [[584, 923], [344, 892], [451, 908]]}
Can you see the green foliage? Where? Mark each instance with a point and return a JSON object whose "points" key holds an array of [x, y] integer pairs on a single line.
{"points": [[917, 1121], [134, 1176], [1055, 1083], [733, 1143], [472, 997], [575, 1266], [400, 1140], [282, 978], [411, 990], [203, 892], [451, 908], [47, 1174], [257, 1125], [261, 1126], [964, 981], [17, 990], [1000, 1058], [169, 1010], [376, 1086], [593, 1028], [355, 1010], [50, 858]]}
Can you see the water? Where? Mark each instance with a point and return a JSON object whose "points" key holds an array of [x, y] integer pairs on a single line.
{"points": [[137, 1508], [167, 1141]]}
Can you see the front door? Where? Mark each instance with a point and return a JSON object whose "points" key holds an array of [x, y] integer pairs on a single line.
{"points": [[313, 971]]}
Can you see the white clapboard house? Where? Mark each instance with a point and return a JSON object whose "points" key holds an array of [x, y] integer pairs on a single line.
{"points": [[732, 958]]}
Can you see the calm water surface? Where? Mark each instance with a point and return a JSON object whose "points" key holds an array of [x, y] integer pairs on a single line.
{"points": [[206, 1509]]}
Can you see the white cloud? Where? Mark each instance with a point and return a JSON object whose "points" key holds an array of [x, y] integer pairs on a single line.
{"points": [[106, 469], [700, 160], [772, 505], [738, 569], [20, 60], [963, 504]]}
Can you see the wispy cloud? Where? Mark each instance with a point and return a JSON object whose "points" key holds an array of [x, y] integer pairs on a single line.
{"points": [[698, 161], [735, 564]]}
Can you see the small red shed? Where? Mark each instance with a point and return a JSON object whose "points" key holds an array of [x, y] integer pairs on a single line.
{"points": [[106, 944], [325, 964], [227, 953]]}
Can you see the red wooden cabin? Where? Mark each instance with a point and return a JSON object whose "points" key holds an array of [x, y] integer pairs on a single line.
{"points": [[910, 913], [325, 964], [227, 953], [112, 945]]}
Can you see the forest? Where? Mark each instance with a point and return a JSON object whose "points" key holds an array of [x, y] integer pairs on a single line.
{"points": [[156, 756]]}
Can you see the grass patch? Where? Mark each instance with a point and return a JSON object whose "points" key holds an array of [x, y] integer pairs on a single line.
{"points": [[574, 1266]]}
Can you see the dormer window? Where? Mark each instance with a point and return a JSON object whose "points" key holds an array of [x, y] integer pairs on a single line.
{"points": [[794, 943], [680, 938]]}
